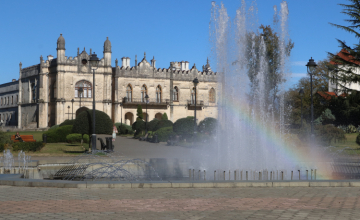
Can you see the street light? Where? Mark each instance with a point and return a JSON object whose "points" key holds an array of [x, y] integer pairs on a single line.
{"points": [[94, 62], [147, 101], [72, 109], [68, 112], [195, 81], [301, 93], [311, 66]]}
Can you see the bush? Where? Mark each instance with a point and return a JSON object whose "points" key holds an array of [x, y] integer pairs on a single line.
{"points": [[138, 127], [327, 133], [59, 134], [184, 127], [163, 124], [164, 133], [358, 139], [164, 116], [76, 138], [151, 125], [53, 127], [351, 129], [5, 139], [83, 123], [28, 146], [67, 122], [124, 129], [208, 125]]}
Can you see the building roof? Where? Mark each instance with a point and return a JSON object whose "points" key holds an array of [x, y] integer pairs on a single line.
{"points": [[344, 54], [329, 95]]}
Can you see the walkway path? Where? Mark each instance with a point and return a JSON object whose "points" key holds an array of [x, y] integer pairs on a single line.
{"points": [[240, 203]]}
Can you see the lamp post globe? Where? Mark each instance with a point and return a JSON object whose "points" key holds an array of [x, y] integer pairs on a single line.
{"points": [[311, 66], [94, 62], [196, 82], [301, 93]]}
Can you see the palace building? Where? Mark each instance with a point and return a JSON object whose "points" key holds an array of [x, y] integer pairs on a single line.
{"points": [[59, 88]]}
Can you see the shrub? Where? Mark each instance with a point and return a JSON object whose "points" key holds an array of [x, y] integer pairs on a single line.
{"points": [[28, 146], [164, 133], [76, 138], [83, 123], [163, 124], [53, 127], [184, 127], [138, 127], [139, 113], [67, 122], [327, 133], [351, 129], [358, 139], [124, 129], [208, 125], [151, 125], [5, 139], [59, 134], [164, 116]]}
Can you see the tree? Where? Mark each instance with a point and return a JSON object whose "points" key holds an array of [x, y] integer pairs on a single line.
{"points": [[346, 62], [164, 116], [139, 113], [273, 56], [83, 123]]}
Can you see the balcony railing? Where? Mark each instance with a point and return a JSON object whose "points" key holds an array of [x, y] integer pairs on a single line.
{"points": [[198, 102], [133, 103]]}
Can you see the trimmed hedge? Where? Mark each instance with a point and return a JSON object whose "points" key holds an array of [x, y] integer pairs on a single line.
{"points": [[83, 123], [5, 139], [59, 134], [53, 127], [184, 127], [208, 125], [124, 129], [67, 122], [163, 124], [164, 133], [76, 138], [28, 146], [151, 125], [138, 127]]}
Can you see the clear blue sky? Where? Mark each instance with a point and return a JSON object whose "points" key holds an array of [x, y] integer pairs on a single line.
{"points": [[169, 30]]}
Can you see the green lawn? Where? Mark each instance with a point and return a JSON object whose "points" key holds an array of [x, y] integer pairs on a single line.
{"points": [[349, 146], [37, 134]]}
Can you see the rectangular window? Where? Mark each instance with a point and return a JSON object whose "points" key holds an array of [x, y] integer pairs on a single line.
{"points": [[76, 93], [89, 93]]}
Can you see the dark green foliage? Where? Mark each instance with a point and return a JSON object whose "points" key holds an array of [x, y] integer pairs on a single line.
{"points": [[138, 127], [76, 138], [124, 129], [208, 125], [28, 146], [151, 125], [164, 133], [163, 124], [358, 139], [325, 118], [349, 54], [164, 116], [346, 109], [139, 113], [4, 139], [59, 134], [83, 123], [54, 127], [67, 122], [184, 127], [324, 134]]}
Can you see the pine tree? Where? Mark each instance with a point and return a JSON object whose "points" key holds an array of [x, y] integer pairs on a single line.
{"points": [[349, 56]]}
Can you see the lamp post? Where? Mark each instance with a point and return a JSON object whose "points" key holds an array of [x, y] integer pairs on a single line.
{"points": [[311, 66], [72, 109], [301, 93], [80, 90], [94, 61], [68, 112], [147, 101], [195, 81]]}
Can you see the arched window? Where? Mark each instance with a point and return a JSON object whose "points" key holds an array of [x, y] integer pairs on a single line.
{"points": [[143, 93], [176, 94], [129, 93], [193, 96], [158, 94], [86, 89], [212, 95]]}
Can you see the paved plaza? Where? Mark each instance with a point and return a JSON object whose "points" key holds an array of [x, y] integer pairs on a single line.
{"points": [[227, 203]]}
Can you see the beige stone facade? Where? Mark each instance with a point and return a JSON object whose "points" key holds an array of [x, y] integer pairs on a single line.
{"points": [[55, 85]]}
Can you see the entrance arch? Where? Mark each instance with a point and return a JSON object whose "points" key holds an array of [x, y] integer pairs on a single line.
{"points": [[129, 116], [158, 116]]}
